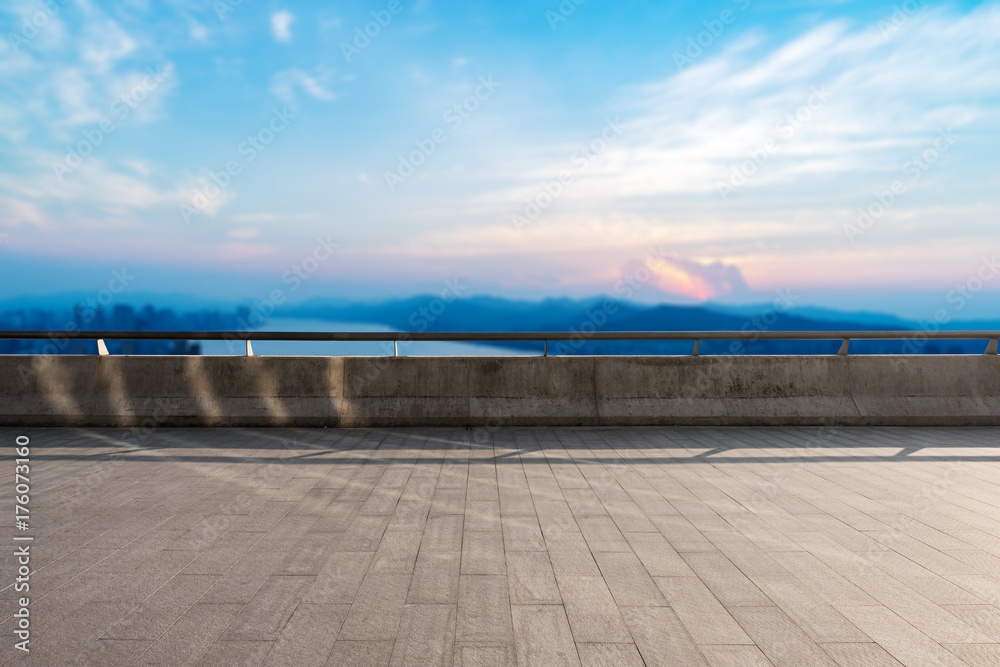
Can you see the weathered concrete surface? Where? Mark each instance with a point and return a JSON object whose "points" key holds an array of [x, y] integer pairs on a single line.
{"points": [[460, 391]]}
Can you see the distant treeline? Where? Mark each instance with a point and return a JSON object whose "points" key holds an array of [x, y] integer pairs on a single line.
{"points": [[473, 314]]}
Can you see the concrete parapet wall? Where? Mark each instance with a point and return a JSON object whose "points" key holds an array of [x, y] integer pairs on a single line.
{"points": [[487, 391]]}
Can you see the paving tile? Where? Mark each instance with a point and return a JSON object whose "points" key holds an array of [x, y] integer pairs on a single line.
{"points": [[779, 638], [984, 618], [265, 615], [339, 578], [542, 635], [484, 610], [482, 553], [977, 655], [308, 638], [530, 578], [602, 534], [377, 608], [726, 581], [397, 552], [555, 515], [309, 554], [364, 533], [629, 582], [660, 637], [657, 556], [918, 611], [734, 655], [218, 558], [522, 533], [609, 655], [900, 639], [593, 614], [109, 652], [190, 638], [859, 653], [160, 610], [435, 578], [680, 534], [816, 617], [245, 578], [235, 654], [630, 518], [426, 635], [336, 517], [706, 620], [448, 501], [570, 554], [443, 533], [367, 653], [482, 515], [485, 655]]}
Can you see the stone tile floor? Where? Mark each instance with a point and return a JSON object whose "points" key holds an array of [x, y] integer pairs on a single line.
{"points": [[547, 546]]}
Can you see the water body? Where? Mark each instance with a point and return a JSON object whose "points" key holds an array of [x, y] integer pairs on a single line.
{"points": [[350, 348]]}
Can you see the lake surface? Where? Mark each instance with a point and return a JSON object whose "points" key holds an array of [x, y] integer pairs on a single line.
{"points": [[350, 348]]}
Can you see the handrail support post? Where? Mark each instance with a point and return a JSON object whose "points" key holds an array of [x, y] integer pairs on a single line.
{"points": [[102, 349], [843, 348], [694, 353], [249, 348], [992, 347]]}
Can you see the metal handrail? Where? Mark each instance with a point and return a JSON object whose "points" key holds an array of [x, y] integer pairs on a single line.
{"points": [[496, 336], [502, 336]]}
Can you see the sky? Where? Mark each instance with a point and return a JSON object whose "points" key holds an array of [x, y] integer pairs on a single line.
{"points": [[719, 151]]}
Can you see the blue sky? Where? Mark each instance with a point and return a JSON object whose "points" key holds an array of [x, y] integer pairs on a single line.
{"points": [[697, 151]]}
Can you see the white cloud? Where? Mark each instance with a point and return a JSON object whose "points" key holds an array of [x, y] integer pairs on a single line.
{"points": [[686, 133], [284, 84], [243, 233], [15, 211], [105, 43], [281, 26]]}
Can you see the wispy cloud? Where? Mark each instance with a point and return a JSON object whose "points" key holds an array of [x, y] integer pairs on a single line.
{"points": [[285, 83], [885, 95], [281, 26]]}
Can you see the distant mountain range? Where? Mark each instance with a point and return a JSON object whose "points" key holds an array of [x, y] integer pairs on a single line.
{"points": [[437, 313], [486, 313]]}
